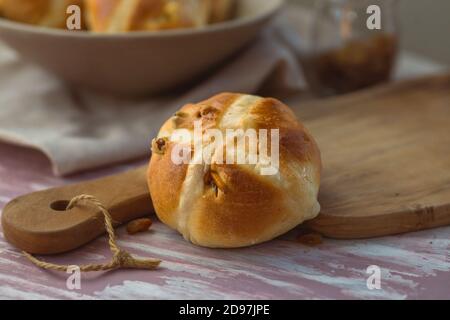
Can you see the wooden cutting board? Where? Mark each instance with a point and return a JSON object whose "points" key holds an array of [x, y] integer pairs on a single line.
{"points": [[386, 159], [386, 156]]}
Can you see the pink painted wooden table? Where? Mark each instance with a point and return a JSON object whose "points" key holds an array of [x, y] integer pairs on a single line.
{"points": [[415, 265]]}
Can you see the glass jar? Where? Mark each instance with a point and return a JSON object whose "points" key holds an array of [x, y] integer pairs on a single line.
{"points": [[353, 45]]}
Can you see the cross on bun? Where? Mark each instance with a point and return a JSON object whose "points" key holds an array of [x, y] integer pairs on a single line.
{"points": [[45, 13], [139, 15], [225, 205]]}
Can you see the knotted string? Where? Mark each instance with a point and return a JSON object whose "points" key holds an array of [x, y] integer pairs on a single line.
{"points": [[121, 258]]}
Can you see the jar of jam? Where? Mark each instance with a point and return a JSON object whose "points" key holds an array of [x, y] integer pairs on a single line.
{"points": [[353, 44]]}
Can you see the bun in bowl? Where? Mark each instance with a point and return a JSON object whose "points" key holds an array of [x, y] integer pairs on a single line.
{"points": [[115, 16], [118, 16], [223, 205], [44, 13]]}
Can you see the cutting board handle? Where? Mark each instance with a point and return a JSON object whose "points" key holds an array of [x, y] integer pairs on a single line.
{"points": [[39, 223]]}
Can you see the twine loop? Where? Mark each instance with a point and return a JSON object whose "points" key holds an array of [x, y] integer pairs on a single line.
{"points": [[121, 258]]}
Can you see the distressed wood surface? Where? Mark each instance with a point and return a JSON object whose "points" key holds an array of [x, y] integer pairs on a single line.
{"points": [[415, 265]]}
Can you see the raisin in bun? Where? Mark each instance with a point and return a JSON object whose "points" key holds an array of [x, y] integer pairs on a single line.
{"points": [[115, 16], [45, 13], [234, 205]]}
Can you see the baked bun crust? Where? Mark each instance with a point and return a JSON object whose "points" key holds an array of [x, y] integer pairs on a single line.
{"points": [[222, 10], [45, 13], [233, 205], [114, 16]]}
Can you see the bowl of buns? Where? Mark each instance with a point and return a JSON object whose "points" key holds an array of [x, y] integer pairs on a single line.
{"points": [[132, 47]]}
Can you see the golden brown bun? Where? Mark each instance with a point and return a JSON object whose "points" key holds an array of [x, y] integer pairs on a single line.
{"points": [[139, 15], [222, 10], [46, 13], [227, 206]]}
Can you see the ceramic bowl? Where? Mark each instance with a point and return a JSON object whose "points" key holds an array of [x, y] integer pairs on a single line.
{"points": [[138, 63]]}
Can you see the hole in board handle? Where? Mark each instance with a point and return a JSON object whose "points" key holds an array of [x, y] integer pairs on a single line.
{"points": [[59, 205]]}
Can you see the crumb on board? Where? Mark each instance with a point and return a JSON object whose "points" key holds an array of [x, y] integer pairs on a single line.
{"points": [[139, 225]]}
